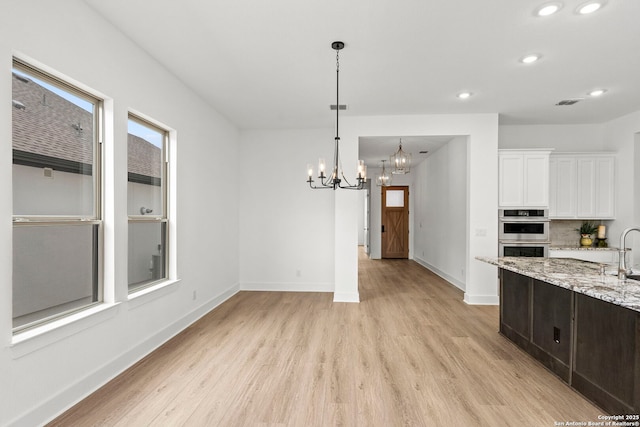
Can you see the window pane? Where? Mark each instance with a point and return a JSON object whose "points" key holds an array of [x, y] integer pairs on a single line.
{"points": [[395, 198], [144, 167], [53, 148], [55, 269], [147, 242]]}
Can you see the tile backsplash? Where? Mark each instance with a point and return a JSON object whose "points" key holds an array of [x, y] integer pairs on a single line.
{"points": [[563, 232]]}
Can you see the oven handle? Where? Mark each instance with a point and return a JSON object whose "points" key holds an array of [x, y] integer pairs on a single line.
{"points": [[524, 242], [524, 219]]}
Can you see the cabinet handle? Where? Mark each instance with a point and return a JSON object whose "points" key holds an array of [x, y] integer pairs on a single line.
{"points": [[556, 335]]}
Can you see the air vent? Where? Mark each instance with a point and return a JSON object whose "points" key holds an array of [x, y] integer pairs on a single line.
{"points": [[569, 101], [423, 152], [342, 107]]}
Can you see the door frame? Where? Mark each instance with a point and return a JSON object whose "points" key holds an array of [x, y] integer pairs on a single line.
{"points": [[406, 210]]}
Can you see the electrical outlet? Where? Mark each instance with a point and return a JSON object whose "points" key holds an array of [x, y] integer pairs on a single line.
{"points": [[298, 273], [195, 295]]}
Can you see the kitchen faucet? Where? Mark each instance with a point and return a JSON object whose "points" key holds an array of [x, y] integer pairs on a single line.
{"points": [[622, 263]]}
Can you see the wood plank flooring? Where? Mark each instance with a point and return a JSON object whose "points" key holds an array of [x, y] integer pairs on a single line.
{"points": [[411, 353]]}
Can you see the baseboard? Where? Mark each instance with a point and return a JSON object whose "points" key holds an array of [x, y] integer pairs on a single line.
{"points": [[67, 398], [286, 287], [481, 299], [455, 282], [346, 297]]}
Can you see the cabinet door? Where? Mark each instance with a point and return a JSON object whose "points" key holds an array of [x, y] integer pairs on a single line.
{"points": [[536, 180], [515, 304], [605, 355], [595, 187], [562, 187], [553, 187], [551, 330], [604, 190], [511, 174], [586, 194]]}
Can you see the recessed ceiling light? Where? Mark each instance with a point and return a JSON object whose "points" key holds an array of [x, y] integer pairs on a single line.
{"points": [[464, 95], [531, 58], [597, 92], [590, 7], [548, 9]]}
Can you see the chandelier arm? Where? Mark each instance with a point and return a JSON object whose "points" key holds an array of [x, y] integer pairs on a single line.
{"points": [[315, 187], [323, 185]]}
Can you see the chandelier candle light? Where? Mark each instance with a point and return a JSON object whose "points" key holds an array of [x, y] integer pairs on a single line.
{"points": [[337, 178]]}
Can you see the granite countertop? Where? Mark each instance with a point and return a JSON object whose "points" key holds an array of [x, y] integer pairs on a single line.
{"points": [[580, 248], [579, 276]]}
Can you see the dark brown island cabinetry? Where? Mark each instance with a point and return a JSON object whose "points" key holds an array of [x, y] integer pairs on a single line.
{"points": [[591, 344], [537, 317], [606, 364]]}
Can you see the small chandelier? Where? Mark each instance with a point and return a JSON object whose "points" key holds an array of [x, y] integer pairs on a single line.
{"points": [[337, 179], [401, 161], [383, 179]]}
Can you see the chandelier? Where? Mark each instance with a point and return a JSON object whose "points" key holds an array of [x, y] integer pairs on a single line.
{"points": [[337, 179], [383, 179], [401, 161]]}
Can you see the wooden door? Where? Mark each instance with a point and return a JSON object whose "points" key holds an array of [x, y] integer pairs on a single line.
{"points": [[395, 222]]}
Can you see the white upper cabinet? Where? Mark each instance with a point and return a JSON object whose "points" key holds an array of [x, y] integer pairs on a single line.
{"points": [[562, 187], [582, 186], [524, 178]]}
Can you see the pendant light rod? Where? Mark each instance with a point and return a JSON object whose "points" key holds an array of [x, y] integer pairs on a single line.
{"points": [[337, 46], [337, 175]]}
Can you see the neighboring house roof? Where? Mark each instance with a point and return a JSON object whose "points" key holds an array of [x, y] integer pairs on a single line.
{"points": [[50, 131], [143, 157]]}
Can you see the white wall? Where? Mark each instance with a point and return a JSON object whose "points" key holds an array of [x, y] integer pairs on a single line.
{"points": [[621, 135], [440, 195], [63, 193], [143, 195], [43, 375], [286, 229], [586, 137], [361, 218]]}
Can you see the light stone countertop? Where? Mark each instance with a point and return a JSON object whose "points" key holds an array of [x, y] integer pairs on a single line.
{"points": [[579, 276], [581, 248]]}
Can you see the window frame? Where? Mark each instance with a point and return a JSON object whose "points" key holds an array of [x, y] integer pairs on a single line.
{"points": [[97, 216], [152, 219]]}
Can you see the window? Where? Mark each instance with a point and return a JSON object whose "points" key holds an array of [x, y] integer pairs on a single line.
{"points": [[57, 219], [147, 203]]}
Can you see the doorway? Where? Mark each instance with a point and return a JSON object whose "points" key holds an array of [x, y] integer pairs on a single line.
{"points": [[395, 222]]}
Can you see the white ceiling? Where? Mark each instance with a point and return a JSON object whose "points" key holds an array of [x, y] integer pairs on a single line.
{"points": [[374, 149], [269, 64]]}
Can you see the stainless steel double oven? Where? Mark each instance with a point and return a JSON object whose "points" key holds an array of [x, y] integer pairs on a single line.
{"points": [[523, 232]]}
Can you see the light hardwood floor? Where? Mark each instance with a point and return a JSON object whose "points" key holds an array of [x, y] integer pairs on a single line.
{"points": [[410, 353]]}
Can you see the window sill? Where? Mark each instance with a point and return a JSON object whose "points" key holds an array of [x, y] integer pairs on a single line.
{"points": [[145, 295], [34, 339]]}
